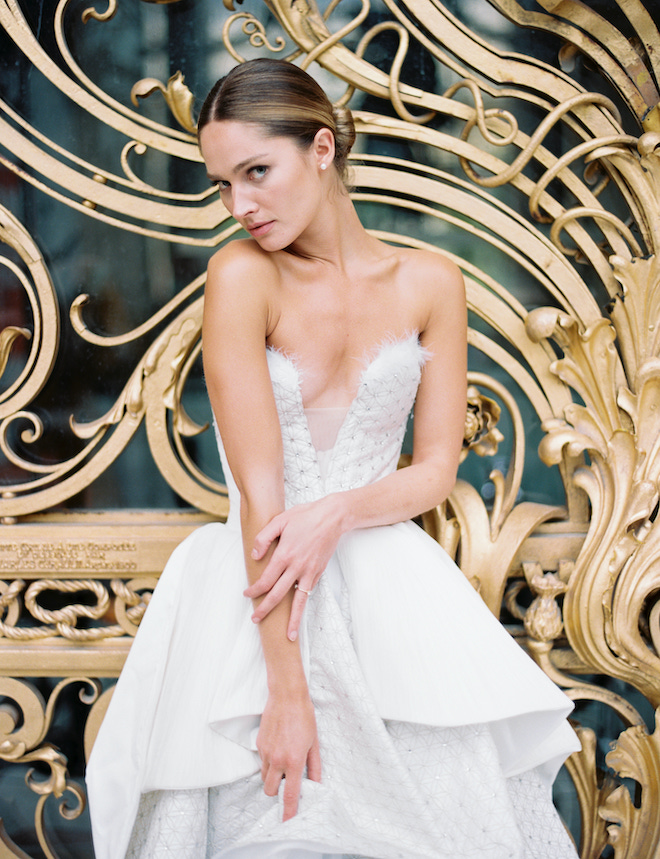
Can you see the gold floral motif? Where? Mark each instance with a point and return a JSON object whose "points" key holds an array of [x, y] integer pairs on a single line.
{"points": [[481, 432], [177, 95], [543, 621]]}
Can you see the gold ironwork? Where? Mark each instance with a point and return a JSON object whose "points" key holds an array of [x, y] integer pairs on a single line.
{"points": [[177, 95], [579, 224]]}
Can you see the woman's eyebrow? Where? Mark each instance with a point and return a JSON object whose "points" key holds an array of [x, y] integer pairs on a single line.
{"points": [[239, 166], [247, 161]]}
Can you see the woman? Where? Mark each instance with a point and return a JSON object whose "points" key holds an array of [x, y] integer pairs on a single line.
{"points": [[357, 698]]}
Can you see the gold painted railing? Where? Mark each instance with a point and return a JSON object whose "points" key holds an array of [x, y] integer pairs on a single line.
{"points": [[544, 190]]}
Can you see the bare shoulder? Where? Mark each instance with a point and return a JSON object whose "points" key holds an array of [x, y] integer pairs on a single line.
{"points": [[432, 270], [241, 283], [239, 298], [435, 283], [237, 261]]}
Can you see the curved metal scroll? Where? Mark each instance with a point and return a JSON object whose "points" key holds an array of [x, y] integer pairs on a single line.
{"points": [[545, 192]]}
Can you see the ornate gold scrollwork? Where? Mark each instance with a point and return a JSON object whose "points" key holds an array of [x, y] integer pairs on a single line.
{"points": [[7, 337], [35, 281], [637, 756], [618, 428], [129, 605], [580, 577], [153, 390], [91, 13], [481, 433], [177, 95], [25, 720], [586, 31], [254, 29]]}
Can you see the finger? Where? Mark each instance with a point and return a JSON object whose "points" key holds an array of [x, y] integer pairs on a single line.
{"points": [[314, 762], [295, 617], [270, 575], [272, 781], [274, 597], [292, 784], [262, 585], [264, 760], [265, 537]]}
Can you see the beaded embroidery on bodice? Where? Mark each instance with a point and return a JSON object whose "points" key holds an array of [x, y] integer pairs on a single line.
{"points": [[369, 440]]}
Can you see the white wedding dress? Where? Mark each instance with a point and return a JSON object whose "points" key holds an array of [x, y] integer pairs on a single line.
{"points": [[439, 736]]}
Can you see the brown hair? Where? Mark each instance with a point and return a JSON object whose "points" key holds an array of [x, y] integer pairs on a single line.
{"points": [[284, 100]]}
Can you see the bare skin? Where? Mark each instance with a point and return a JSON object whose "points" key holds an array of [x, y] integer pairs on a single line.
{"points": [[313, 283]]}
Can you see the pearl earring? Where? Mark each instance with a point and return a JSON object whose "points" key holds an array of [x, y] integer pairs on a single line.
{"points": [[324, 166]]}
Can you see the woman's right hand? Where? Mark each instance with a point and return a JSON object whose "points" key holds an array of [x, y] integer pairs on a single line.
{"points": [[303, 539], [288, 743]]}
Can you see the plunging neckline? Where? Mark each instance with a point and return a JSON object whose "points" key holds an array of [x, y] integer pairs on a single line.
{"points": [[324, 423], [368, 369]]}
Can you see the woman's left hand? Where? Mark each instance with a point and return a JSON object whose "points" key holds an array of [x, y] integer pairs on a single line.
{"points": [[307, 536]]}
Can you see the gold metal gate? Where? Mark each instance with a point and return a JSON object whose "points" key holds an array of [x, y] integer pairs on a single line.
{"points": [[521, 138]]}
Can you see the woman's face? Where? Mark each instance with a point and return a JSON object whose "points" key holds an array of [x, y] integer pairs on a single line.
{"points": [[268, 184]]}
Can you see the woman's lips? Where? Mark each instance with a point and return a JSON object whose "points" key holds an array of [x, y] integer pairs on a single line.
{"points": [[260, 229]]}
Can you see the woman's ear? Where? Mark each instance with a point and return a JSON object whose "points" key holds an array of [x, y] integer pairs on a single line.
{"points": [[324, 147]]}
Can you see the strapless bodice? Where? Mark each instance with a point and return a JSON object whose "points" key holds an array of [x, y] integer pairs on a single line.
{"points": [[368, 444]]}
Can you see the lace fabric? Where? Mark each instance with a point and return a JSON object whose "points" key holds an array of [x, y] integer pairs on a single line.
{"points": [[206, 823]]}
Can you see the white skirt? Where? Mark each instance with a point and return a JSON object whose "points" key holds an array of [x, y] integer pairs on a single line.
{"points": [[439, 736]]}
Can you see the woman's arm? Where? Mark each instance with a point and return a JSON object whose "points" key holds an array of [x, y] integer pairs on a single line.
{"points": [[307, 535], [237, 319]]}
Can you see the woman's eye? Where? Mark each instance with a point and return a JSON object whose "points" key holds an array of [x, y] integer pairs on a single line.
{"points": [[221, 185], [259, 172]]}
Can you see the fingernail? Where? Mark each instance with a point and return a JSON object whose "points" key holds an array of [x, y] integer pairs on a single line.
{"points": [[293, 636], [255, 554]]}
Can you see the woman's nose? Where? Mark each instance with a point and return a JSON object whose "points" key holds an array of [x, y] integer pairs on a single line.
{"points": [[243, 203]]}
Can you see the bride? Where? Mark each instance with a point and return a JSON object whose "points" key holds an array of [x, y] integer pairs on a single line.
{"points": [[353, 696]]}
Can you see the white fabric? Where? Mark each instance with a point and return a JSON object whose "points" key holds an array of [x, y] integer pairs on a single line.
{"points": [[393, 631], [198, 824]]}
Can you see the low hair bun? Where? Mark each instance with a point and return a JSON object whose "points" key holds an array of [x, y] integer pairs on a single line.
{"points": [[345, 128], [344, 136]]}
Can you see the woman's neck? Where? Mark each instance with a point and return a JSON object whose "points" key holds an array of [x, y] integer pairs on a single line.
{"points": [[336, 236]]}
